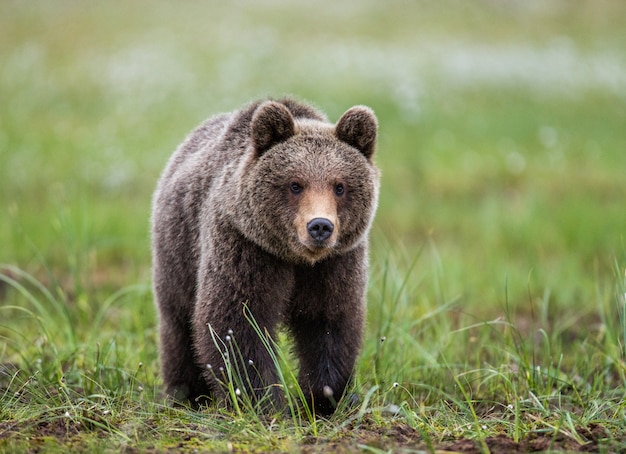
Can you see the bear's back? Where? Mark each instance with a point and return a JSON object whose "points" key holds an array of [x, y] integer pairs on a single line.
{"points": [[216, 145]]}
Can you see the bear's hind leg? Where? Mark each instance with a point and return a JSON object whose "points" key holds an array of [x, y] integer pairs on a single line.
{"points": [[182, 378], [175, 296]]}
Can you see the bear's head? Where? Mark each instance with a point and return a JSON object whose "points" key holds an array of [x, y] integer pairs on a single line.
{"points": [[309, 189]]}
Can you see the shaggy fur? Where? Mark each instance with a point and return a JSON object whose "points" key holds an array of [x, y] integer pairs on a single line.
{"points": [[267, 207]]}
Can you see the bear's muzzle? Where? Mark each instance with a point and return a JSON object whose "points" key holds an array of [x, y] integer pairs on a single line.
{"points": [[320, 229]]}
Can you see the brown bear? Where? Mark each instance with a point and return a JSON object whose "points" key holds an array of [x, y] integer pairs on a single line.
{"points": [[265, 209]]}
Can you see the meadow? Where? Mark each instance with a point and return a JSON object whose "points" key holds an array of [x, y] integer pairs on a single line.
{"points": [[497, 298]]}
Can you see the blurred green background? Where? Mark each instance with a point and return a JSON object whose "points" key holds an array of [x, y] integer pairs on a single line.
{"points": [[502, 129]]}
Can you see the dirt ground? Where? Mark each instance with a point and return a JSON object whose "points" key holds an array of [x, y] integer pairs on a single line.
{"points": [[400, 438], [403, 438]]}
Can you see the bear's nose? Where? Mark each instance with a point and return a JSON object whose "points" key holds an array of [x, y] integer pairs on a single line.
{"points": [[320, 229]]}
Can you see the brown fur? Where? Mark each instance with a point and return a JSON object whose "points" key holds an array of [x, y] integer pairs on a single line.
{"points": [[250, 210]]}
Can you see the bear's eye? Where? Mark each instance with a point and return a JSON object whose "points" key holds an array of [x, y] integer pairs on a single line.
{"points": [[340, 189], [295, 187]]}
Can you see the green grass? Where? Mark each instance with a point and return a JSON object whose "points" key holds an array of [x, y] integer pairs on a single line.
{"points": [[497, 295]]}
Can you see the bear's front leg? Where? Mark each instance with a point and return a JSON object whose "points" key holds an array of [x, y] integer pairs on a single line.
{"points": [[326, 319], [236, 283]]}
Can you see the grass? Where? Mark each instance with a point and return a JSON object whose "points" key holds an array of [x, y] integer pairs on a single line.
{"points": [[496, 312]]}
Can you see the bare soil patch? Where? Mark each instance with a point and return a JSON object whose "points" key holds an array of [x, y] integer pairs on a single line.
{"points": [[399, 438], [403, 438]]}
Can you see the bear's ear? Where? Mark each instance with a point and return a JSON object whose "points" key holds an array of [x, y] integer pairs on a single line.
{"points": [[271, 123], [357, 127]]}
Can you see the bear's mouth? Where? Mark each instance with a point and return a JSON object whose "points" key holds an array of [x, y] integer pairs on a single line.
{"points": [[313, 249], [317, 250]]}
